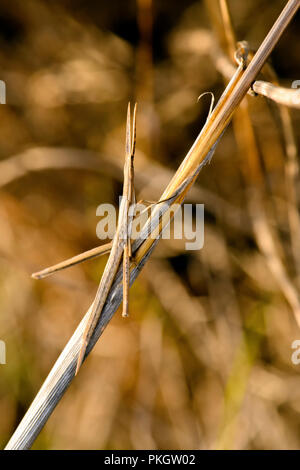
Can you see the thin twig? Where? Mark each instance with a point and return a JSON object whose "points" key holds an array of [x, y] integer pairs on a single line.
{"points": [[286, 96]]}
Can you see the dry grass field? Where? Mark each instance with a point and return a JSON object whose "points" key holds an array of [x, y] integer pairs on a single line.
{"points": [[204, 360]]}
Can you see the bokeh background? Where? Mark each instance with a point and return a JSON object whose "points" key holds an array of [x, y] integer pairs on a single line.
{"points": [[204, 360]]}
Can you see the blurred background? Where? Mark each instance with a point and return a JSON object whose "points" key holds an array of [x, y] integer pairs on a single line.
{"points": [[204, 360]]}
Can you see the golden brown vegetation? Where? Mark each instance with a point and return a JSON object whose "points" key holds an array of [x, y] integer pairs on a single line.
{"points": [[204, 360]]}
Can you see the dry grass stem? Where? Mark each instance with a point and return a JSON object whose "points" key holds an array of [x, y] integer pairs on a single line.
{"points": [[285, 96]]}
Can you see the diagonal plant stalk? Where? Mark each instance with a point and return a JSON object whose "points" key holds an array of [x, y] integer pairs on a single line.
{"points": [[63, 370]]}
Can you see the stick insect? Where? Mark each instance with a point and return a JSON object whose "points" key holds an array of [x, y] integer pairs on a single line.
{"points": [[121, 244]]}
